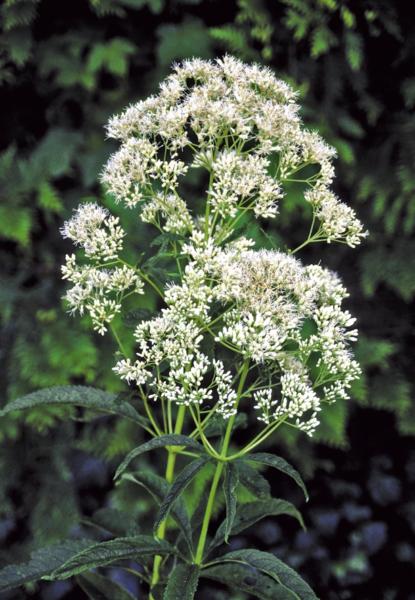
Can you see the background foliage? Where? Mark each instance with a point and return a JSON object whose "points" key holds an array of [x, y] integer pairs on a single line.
{"points": [[65, 67]]}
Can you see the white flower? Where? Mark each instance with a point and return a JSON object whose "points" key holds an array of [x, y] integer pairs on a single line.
{"points": [[226, 304], [132, 371], [98, 290], [337, 221], [240, 123], [96, 231], [227, 396]]}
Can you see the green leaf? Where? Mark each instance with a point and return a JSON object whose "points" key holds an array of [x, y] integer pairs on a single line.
{"points": [[233, 39], [16, 223], [159, 442], [333, 423], [279, 463], [248, 514], [113, 56], [177, 487], [76, 395], [247, 579], [105, 553], [48, 198], [253, 480], [322, 40], [165, 239], [188, 39], [98, 587], [354, 52], [273, 567], [230, 484], [41, 563], [158, 488], [182, 583], [54, 154]]}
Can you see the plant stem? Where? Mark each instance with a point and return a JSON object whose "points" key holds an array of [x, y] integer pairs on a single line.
{"points": [[169, 475], [212, 495], [218, 471], [118, 340]]}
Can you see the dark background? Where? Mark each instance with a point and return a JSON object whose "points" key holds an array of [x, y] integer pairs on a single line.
{"points": [[65, 67]]}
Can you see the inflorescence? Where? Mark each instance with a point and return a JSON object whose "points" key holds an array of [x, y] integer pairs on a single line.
{"points": [[261, 308]]}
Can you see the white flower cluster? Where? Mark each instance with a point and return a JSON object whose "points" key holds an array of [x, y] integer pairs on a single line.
{"points": [[243, 182], [97, 289], [239, 122], [230, 309], [283, 314], [338, 221], [96, 231]]}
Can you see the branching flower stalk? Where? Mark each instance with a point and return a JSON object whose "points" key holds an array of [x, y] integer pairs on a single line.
{"points": [[240, 328]]}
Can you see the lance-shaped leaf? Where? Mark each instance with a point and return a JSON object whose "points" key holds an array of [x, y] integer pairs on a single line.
{"points": [[161, 441], [182, 583], [248, 514], [77, 395], [253, 480], [42, 562], [177, 487], [230, 484], [247, 579], [273, 567], [105, 553], [97, 587], [158, 488], [265, 458]]}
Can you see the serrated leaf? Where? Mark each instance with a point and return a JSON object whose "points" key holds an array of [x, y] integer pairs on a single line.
{"points": [[273, 567], [253, 480], [247, 579], [177, 487], [98, 587], [182, 583], [230, 484], [158, 488], [16, 223], [159, 442], [41, 563], [76, 395], [265, 458], [248, 514], [105, 553], [48, 198]]}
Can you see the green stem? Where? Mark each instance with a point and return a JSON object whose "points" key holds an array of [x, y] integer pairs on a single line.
{"points": [[150, 414], [118, 340], [208, 513], [169, 475], [218, 471]]}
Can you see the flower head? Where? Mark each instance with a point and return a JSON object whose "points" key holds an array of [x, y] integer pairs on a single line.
{"points": [[240, 123], [228, 308]]}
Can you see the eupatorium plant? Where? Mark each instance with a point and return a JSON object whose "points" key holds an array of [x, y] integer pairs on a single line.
{"points": [[242, 333]]}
